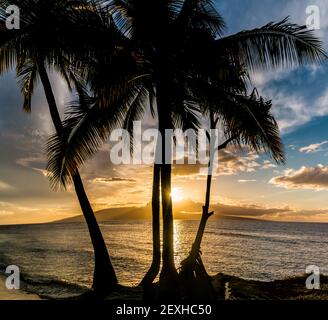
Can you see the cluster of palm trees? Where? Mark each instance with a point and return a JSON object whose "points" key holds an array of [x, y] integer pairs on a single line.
{"points": [[118, 57]]}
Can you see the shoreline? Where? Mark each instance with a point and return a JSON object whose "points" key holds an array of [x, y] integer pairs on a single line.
{"points": [[226, 287]]}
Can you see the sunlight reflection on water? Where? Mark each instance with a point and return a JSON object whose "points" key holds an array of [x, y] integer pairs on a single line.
{"points": [[250, 249]]}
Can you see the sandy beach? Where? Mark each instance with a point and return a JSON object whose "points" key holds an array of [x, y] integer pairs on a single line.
{"points": [[6, 294]]}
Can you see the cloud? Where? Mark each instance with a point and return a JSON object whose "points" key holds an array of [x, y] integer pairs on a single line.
{"points": [[269, 212], [246, 181], [299, 95], [113, 180], [13, 213], [312, 148], [316, 215], [268, 165], [109, 185], [309, 178], [5, 209], [292, 147], [293, 108], [5, 186], [36, 163], [31, 161], [261, 78], [249, 210], [188, 169], [228, 162], [232, 208]]}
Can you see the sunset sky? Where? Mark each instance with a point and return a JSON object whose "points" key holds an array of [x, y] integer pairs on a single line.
{"points": [[296, 191]]}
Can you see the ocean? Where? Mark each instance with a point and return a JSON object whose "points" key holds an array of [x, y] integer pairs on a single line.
{"points": [[56, 260]]}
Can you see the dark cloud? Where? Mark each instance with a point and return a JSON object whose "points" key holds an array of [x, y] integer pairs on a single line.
{"points": [[187, 169], [314, 178], [246, 210], [114, 179], [229, 209], [188, 209]]}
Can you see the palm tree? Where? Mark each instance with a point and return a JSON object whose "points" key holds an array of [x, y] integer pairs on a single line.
{"points": [[42, 42], [171, 56], [246, 122]]}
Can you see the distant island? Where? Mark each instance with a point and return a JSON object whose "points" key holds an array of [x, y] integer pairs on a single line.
{"points": [[183, 210]]}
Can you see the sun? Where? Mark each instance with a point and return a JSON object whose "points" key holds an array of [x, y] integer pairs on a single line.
{"points": [[176, 194]]}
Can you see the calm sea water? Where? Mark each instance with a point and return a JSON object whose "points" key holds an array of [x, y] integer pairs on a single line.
{"points": [[57, 259]]}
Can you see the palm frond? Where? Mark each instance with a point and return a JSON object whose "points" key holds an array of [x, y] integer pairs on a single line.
{"points": [[201, 14], [84, 131], [27, 74], [8, 59], [249, 119], [281, 44]]}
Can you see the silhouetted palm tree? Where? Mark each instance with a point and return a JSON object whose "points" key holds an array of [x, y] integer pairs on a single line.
{"points": [[247, 122], [48, 29], [171, 56]]}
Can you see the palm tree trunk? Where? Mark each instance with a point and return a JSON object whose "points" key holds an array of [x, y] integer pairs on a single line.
{"points": [[202, 224], [169, 287], [197, 282], [206, 214], [168, 226], [194, 277], [104, 278], [168, 277], [156, 262], [193, 261], [194, 254]]}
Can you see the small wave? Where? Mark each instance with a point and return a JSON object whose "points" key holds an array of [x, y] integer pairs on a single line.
{"points": [[51, 288], [48, 288], [257, 237]]}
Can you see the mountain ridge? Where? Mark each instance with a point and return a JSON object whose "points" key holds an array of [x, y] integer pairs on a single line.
{"points": [[184, 210]]}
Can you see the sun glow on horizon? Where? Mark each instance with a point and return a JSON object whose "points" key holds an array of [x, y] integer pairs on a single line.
{"points": [[176, 194]]}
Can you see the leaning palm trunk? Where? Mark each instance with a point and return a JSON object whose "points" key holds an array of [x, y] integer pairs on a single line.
{"points": [[104, 277], [193, 274], [156, 262], [194, 278]]}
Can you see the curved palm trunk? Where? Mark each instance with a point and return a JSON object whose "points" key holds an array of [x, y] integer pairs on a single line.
{"points": [[206, 214], [193, 274], [104, 278], [156, 262]]}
